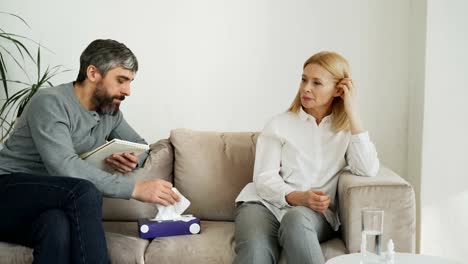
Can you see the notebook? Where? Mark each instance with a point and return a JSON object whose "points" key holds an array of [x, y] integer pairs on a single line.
{"points": [[99, 154]]}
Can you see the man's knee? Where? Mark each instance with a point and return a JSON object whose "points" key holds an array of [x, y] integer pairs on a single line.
{"points": [[53, 226], [86, 189]]}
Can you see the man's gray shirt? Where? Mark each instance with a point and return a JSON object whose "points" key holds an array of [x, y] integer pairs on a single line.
{"points": [[54, 129]]}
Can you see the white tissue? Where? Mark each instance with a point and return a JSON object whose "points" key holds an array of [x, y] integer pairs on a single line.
{"points": [[173, 211]]}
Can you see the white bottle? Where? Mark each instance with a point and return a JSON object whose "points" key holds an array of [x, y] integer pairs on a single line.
{"points": [[363, 247], [390, 257]]}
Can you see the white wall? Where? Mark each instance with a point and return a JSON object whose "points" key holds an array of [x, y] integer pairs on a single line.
{"points": [[230, 65], [416, 60], [444, 177]]}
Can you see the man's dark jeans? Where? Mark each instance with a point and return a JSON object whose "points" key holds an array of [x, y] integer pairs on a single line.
{"points": [[59, 217]]}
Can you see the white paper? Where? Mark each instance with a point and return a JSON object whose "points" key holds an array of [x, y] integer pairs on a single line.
{"points": [[173, 211]]}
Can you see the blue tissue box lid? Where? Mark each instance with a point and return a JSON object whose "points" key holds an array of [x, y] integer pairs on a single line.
{"points": [[150, 229]]}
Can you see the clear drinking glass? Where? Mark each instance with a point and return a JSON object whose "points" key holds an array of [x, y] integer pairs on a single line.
{"points": [[371, 236]]}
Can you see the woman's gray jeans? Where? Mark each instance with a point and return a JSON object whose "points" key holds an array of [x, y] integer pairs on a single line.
{"points": [[260, 236]]}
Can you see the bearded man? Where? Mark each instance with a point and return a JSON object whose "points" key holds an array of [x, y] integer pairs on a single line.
{"points": [[50, 199]]}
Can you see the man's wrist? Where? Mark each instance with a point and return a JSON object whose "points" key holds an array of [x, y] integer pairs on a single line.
{"points": [[135, 189]]}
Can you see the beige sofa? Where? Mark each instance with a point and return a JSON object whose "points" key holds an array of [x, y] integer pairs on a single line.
{"points": [[210, 169]]}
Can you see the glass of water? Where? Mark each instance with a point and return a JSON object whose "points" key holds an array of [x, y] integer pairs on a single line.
{"points": [[371, 236]]}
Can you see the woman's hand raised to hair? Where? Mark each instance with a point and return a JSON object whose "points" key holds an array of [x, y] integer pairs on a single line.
{"points": [[349, 98]]}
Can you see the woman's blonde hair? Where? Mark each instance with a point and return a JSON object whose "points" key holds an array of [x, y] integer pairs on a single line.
{"points": [[339, 68]]}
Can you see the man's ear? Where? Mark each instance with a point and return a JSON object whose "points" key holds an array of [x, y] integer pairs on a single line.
{"points": [[93, 73]]}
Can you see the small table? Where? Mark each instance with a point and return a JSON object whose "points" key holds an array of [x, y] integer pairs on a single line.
{"points": [[400, 258]]}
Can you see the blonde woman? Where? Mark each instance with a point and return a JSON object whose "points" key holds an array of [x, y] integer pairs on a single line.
{"points": [[291, 202]]}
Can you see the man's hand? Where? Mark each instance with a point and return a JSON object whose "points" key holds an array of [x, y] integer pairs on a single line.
{"points": [[155, 191], [315, 200], [125, 162]]}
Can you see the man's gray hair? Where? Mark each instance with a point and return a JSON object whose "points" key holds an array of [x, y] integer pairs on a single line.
{"points": [[105, 55]]}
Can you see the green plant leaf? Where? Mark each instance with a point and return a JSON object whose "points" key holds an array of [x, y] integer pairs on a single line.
{"points": [[4, 124], [14, 104], [38, 63], [44, 77], [19, 46], [16, 81], [3, 74], [20, 18], [4, 112], [17, 62], [29, 39], [13, 99]]}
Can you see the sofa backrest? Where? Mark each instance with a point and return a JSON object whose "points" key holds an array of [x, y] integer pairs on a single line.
{"points": [[211, 168], [159, 164]]}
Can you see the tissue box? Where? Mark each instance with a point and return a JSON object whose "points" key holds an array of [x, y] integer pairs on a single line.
{"points": [[149, 228]]}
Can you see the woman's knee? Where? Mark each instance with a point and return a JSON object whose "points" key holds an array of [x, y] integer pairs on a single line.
{"points": [[256, 244], [298, 220], [255, 221], [255, 228], [257, 250]]}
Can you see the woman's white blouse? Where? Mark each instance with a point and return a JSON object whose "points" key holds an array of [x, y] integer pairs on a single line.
{"points": [[293, 153]]}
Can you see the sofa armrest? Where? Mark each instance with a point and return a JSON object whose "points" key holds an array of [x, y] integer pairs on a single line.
{"points": [[387, 191]]}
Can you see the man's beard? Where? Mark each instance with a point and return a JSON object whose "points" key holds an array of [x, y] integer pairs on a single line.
{"points": [[104, 102]]}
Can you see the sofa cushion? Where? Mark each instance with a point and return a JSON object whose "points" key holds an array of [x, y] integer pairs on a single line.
{"points": [[333, 248], [123, 243], [214, 245], [210, 169], [158, 165], [15, 254]]}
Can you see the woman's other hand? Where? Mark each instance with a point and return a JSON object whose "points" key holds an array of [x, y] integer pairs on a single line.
{"points": [[315, 200]]}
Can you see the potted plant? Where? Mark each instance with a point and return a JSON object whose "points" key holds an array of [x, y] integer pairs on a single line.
{"points": [[16, 56]]}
